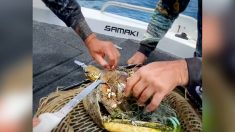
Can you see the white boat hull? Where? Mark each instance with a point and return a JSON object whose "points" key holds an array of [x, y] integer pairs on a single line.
{"points": [[123, 27]]}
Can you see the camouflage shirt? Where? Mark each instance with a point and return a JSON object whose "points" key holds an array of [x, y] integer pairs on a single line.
{"points": [[163, 17], [69, 11]]}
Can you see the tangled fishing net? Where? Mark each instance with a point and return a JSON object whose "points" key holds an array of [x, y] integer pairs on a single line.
{"points": [[173, 110]]}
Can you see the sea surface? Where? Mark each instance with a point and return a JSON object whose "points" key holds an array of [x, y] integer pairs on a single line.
{"points": [[191, 10]]}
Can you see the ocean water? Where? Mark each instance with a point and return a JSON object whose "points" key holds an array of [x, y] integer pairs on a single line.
{"points": [[191, 10]]}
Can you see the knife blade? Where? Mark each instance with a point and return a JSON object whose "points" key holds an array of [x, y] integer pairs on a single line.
{"points": [[48, 121], [74, 85], [83, 65], [72, 103]]}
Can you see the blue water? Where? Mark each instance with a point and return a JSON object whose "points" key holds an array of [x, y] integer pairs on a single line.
{"points": [[191, 10]]}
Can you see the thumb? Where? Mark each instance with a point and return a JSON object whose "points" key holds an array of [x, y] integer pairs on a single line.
{"points": [[130, 61], [101, 61]]}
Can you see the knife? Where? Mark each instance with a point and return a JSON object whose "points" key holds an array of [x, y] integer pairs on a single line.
{"points": [[49, 121], [74, 85], [83, 65]]}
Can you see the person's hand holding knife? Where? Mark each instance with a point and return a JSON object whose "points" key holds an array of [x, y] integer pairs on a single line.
{"points": [[99, 50]]}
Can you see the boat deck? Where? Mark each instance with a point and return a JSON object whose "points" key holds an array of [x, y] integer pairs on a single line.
{"points": [[56, 47]]}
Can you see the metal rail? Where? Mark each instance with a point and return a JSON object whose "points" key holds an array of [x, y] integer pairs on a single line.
{"points": [[127, 6]]}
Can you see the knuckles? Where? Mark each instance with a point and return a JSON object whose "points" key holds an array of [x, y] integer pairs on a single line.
{"points": [[143, 97], [109, 44], [143, 73], [135, 93]]}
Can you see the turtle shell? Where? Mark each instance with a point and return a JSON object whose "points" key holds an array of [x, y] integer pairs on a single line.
{"points": [[107, 105], [92, 115]]}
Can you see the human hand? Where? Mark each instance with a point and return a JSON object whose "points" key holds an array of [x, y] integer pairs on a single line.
{"points": [[11, 126], [7, 123], [137, 58], [100, 49], [35, 122], [156, 80]]}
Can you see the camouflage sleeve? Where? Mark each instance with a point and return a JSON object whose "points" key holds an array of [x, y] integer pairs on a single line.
{"points": [[163, 17], [69, 11]]}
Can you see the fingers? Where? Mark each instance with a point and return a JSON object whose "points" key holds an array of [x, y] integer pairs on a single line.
{"points": [[130, 61], [145, 95], [111, 59], [156, 100], [131, 83], [100, 59], [139, 88], [101, 49], [113, 56], [137, 58], [118, 57], [36, 121]]}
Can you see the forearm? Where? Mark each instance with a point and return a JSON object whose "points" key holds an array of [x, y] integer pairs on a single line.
{"points": [[162, 19], [157, 28], [70, 13]]}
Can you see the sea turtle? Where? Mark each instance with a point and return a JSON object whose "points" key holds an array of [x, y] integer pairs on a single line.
{"points": [[107, 109], [110, 109]]}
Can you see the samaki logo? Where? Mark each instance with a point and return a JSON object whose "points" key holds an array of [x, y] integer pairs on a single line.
{"points": [[121, 31]]}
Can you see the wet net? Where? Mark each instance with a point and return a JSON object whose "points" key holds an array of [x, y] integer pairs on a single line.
{"points": [[78, 120]]}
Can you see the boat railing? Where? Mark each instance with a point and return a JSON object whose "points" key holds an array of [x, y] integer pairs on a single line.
{"points": [[127, 6]]}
